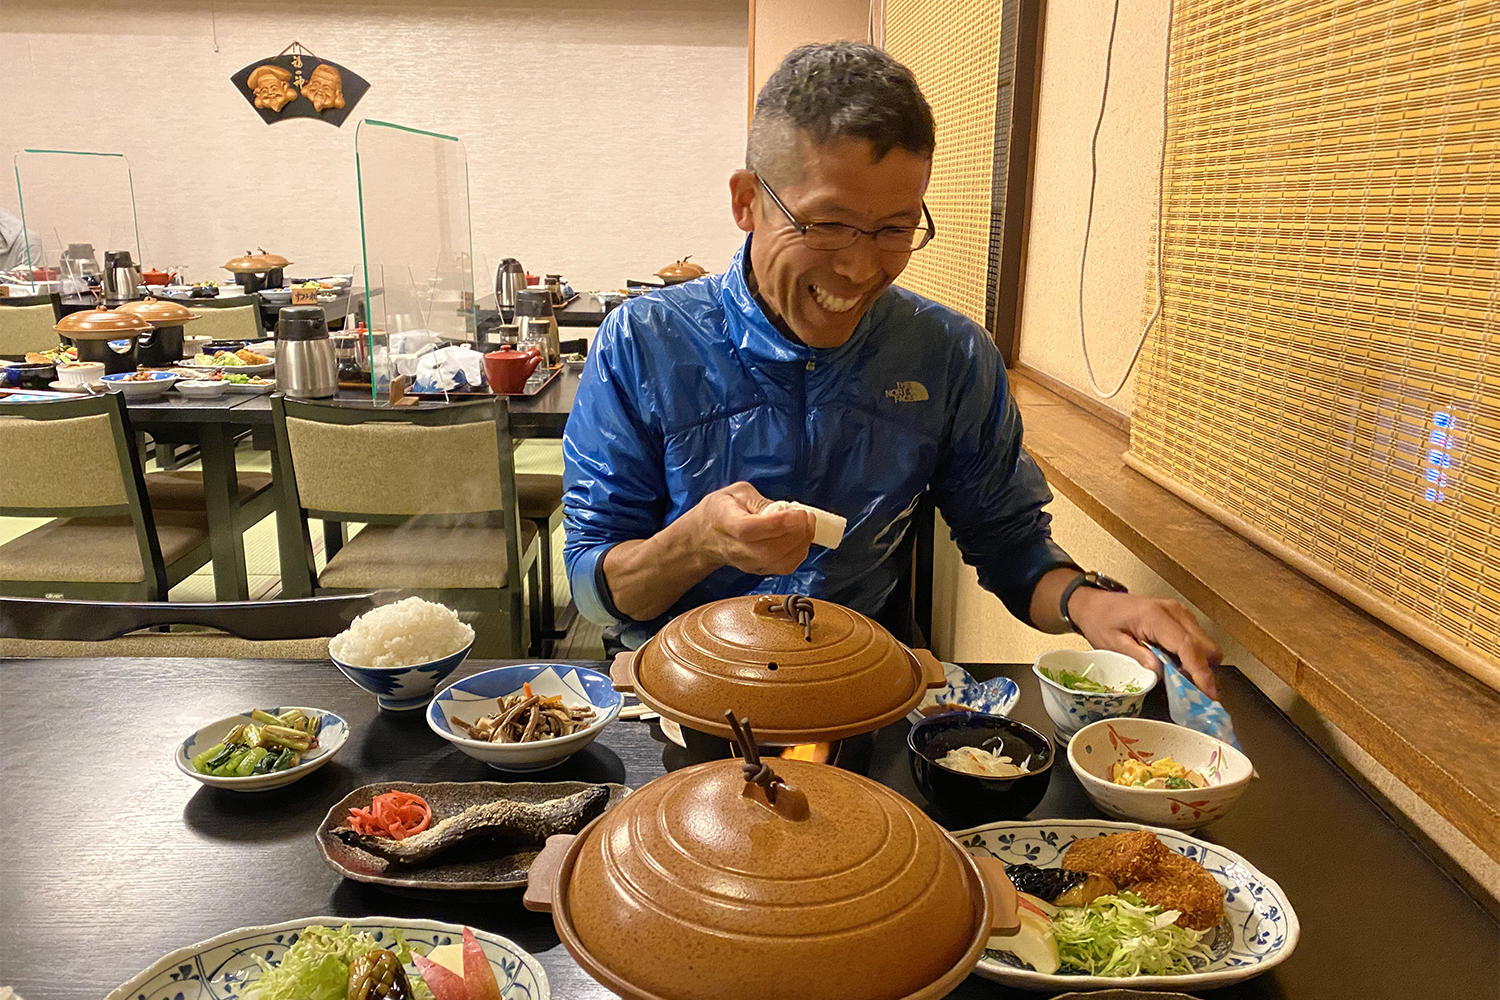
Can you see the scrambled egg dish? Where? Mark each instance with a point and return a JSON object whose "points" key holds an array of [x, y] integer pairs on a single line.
{"points": [[1164, 773]]}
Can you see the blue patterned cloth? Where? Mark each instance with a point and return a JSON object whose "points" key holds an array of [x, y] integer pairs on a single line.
{"points": [[1190, 707]]}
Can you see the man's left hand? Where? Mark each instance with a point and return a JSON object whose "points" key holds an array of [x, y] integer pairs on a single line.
{"points": [[1123, 623]]}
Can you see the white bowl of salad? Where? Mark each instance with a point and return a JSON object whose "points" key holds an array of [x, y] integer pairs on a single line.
{"points": [[1080, 687], [1158, 773]]}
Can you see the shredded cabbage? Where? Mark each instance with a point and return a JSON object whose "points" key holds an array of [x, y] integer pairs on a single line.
{"points": [[317, 966], [1123, 935]]}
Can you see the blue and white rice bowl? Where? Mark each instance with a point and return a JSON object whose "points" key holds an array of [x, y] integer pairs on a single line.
{"points": [[1258, 932], [480, 694], [401, 689], [996, 696], [332, 733], [1071, 710]]}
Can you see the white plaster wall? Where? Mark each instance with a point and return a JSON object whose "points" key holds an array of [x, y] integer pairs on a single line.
{"points": [[600, 135], [1122, 238]]}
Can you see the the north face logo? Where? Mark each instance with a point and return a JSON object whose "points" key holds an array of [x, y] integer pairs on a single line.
{"points": [[908, 392]]}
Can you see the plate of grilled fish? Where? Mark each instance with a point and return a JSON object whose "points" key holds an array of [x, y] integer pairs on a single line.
{"points": [[482, 834], [1080, 874]]}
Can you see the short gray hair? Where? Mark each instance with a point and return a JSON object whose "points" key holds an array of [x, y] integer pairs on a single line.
{"points": [[838, 90]]}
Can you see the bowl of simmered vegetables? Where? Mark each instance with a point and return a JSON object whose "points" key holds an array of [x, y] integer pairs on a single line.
{"points": [[262, 748]]}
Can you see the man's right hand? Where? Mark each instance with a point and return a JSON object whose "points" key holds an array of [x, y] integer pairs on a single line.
{"points": [[732, 529], [646, 576]]}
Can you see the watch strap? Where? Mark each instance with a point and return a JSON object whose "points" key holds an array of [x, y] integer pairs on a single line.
{"points": [[1093, 579]]}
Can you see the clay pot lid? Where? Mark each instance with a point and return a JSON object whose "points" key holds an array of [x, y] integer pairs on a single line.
{"points": [[850, 677], [695, 886], [252, 263], [160, 313], [682, 270], [100, 324]]}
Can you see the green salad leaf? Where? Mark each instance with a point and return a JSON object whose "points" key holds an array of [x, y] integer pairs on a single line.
{"points": [[317, 966], [1079, 682], [1123, 935]]}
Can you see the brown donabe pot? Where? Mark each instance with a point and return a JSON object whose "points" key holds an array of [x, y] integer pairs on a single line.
{"points": [[826, 886], [850, 677]]}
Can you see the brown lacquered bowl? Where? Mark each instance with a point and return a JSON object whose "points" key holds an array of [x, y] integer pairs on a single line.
{"points": [[840, 675], [826, 886]]}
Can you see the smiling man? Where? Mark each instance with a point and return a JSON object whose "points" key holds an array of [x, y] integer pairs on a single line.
{"points": [[802, 374]]}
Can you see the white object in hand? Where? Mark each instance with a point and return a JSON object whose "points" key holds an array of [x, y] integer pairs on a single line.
{"points": [[828, 529]]}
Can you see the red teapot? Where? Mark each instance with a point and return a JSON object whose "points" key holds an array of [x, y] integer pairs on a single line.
{"points": [[507, 371]]}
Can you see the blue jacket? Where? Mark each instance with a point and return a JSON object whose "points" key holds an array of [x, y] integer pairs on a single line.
{"points": [[692, 388]]}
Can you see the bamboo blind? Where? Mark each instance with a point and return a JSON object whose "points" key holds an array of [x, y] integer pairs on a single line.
{"points": [[1326, 373], [953, 49]]}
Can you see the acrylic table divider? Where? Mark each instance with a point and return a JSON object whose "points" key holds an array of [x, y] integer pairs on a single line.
{"points": [[79, 206], [418, 258]]}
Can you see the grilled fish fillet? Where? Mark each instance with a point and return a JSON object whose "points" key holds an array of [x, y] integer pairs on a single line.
{"points": [[523, 822]]}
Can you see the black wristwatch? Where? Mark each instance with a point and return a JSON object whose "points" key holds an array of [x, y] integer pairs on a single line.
{"points": [[1090, 579]]}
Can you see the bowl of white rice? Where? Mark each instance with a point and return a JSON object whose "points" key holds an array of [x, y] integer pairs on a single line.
{"points": [[400, 652]]}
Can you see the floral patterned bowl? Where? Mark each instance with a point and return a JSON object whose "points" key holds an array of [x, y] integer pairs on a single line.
{"points": [[996, 696], [1072, 710], [1259, 929], [223, 967], [1098, 747]]}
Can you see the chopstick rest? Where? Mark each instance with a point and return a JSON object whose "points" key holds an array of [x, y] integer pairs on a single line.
{"points": [[1190, 707], [828, 529]]}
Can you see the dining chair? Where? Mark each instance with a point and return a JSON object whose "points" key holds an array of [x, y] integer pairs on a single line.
{"points": [[540, 498], [26, 324], [282, 629], [240, 321], [101, 547], [435, 490]]}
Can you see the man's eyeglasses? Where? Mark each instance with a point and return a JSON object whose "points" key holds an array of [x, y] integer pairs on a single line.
{"points": [[836, 236]]}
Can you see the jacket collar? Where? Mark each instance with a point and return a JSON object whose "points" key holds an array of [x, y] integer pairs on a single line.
{"points": [[756, 338]]}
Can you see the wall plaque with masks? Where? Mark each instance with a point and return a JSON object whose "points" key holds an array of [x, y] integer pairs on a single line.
{"points": [[298, 84]]}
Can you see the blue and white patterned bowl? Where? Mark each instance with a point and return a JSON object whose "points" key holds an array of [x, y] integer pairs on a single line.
{"points": [[996, 696], [1259, 929], [222, 967], [1071, 710], [401, 689], [332, 733], [139, 388], [477, 695]]}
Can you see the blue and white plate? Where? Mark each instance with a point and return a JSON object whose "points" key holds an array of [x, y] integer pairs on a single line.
{"points": [[1259, 929], [222, 967], [332, 733], [992, 697]]}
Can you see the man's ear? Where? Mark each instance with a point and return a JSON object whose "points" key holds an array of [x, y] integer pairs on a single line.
{"points": [[742, 190]]}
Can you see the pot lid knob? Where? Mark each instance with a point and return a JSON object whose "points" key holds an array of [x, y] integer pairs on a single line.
{"points": [[796, 607], [761, 783]]}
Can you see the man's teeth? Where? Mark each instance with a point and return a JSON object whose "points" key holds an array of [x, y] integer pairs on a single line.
{"points": [[832, 302]]}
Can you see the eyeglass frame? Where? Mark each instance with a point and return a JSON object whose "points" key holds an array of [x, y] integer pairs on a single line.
{"points": [[803, 227]]}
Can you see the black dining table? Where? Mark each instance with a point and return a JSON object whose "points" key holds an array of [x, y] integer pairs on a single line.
{"points": [[214, 424], [110, 858]]}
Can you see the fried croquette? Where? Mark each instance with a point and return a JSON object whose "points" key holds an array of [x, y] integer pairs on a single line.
{"points": [[1182, 884], [1142, 864], [1122, 857]]}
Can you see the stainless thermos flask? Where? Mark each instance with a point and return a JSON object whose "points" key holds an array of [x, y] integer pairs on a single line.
{"points": [[305, 363]]}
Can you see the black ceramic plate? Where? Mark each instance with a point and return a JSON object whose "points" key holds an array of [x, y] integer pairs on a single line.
{"points": [[480, 865]]}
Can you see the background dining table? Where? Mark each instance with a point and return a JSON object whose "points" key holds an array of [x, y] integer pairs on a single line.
{"points": [[214, 424], [110, 858]]}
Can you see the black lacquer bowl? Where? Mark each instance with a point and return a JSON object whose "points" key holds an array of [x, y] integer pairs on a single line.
{"points": [[971, 799]]}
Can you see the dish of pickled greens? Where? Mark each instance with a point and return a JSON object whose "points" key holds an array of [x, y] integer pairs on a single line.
{"points": [[264, 745], [262, 748], [1086, 684]]}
